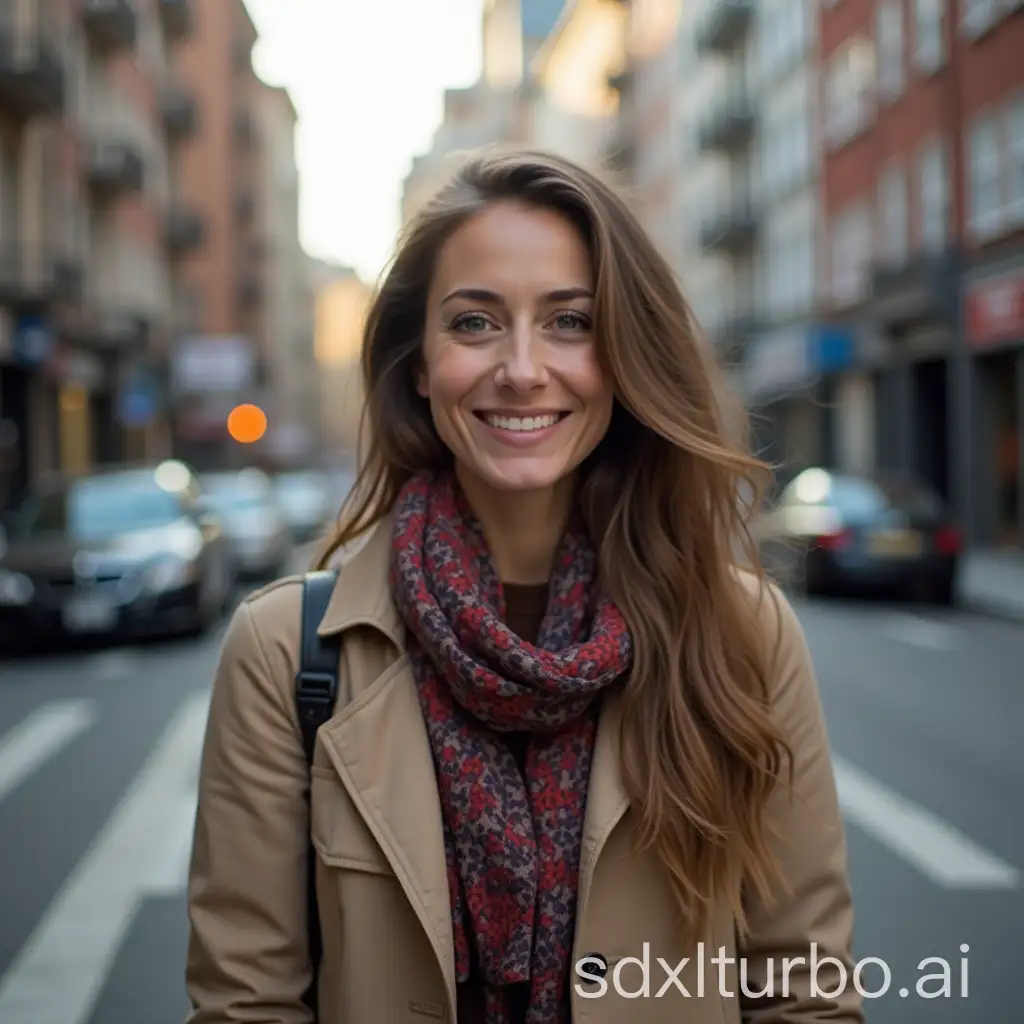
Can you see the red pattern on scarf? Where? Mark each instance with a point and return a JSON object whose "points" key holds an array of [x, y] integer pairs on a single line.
{"points": [[512, 844]]}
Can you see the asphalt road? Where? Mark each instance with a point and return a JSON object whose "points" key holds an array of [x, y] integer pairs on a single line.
{"points": [[97, 774]]}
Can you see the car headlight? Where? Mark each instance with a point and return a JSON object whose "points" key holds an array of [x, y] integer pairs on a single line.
{"points": [[15, 588], [169, 574]]}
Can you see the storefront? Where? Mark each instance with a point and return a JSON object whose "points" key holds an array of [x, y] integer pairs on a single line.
{"points": [[790, 382], [994, 325]]}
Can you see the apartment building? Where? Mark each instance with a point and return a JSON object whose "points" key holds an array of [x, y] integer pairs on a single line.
{"points": [[494, 110], [220, 341], [85, 179], [293, 413], [574, 102], [923, 122]]}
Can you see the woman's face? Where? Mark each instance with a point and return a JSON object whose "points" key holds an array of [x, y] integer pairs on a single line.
{"points": [[510, 362]]}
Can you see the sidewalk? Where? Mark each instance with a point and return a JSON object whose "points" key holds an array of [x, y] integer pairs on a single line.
{"points": [[993, 582]]}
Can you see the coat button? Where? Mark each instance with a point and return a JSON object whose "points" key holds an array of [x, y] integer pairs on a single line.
{"points": [[595, 964]]}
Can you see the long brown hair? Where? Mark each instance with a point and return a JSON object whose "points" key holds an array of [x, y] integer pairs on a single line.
{"points": [[661, 496]]}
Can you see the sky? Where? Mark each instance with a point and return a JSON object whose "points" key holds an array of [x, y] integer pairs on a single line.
{"points": [[367, 78]]}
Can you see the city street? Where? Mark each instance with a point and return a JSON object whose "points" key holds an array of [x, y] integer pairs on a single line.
{"points": [[97, 772]]}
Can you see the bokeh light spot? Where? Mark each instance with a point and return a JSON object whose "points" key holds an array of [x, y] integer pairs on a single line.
{"points": [[247, 423]]}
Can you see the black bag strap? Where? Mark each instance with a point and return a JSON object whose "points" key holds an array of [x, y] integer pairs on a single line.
{"points": [[316, 684], [316, 691]]}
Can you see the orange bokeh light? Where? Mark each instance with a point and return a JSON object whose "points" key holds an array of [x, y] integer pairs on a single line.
{"points": [[247, 423]]}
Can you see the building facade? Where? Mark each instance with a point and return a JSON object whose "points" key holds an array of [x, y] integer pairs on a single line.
{"points": [[293, 434], [497, 108], [923, 135], [342, 302], [86, 176], [574, 103], [220, 341]]}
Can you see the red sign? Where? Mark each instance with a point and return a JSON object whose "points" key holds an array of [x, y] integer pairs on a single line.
{"points": [[995, 309]]}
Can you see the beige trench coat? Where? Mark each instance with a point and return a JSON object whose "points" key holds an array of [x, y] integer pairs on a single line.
{"points": [[376, 826]]}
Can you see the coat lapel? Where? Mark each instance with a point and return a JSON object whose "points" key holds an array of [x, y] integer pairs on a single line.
{"points": [[380, 750]]}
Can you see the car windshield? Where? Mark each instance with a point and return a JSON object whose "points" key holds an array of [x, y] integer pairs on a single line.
{"points": [[862, 500], [236, 494], [97, 509]]}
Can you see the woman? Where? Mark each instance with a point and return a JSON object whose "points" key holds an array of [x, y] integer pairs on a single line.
{"points": [[573, 731]]}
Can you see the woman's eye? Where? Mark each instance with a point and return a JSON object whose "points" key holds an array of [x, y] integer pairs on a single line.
{"points": [[571, 321], [472, 323]]}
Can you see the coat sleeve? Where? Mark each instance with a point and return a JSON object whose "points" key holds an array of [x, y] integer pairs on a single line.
{"points": [[248, 955], [809, 917]]}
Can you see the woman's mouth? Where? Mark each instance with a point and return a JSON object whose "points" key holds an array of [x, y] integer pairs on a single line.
{"points": [[522, 424]]}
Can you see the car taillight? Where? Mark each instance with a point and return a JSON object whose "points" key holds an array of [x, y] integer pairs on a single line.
{"points": [[839, 540], [947, 540]]}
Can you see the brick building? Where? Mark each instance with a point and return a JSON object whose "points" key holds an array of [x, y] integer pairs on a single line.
{"points": [[923, 191]]}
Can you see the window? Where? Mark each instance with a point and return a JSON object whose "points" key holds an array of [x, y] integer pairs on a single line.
{"points": [[978, 16], [851, 255], [933, 197], [1015, 158], [985, 178], [889, 31], [929, 34], [848, 85], [892, 208]]}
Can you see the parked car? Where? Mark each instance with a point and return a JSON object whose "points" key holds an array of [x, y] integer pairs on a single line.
{"points": [[117, 551], [307, 501], [253, 520], [833, 532]]}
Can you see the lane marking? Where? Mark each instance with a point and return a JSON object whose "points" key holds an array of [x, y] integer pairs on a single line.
{"points": [[58, 975], [921, 632], [935, 848], [40, 737]]}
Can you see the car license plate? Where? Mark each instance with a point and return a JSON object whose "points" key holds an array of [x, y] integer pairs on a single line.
{"points": [[89, 614], [895, 544]]}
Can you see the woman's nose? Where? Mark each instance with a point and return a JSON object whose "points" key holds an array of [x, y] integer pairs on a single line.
{"points": [[522, 367]]}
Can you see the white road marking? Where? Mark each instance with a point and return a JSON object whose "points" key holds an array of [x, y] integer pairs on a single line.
{"points": [[58, 974], [935, 848], [921, 632], [40, 737], [169, 876]]}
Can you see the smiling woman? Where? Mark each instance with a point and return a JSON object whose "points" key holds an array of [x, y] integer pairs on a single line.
{"points": [[577, 731]]}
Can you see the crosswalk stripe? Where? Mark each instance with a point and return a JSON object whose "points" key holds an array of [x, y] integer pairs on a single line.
{"points": [[936, 849], [40, 737], [58, 974]]}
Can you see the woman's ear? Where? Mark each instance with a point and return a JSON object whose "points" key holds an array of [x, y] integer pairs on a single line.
{"points": [[422, 388]]}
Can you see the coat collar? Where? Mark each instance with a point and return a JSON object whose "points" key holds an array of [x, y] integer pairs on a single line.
{"points": [[381, 751]]}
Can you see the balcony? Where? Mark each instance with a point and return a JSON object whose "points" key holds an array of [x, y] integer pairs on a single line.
{"points": [[185, 229], [250, 290], [31, 74], [177, 18], [729, 231], [114, 167], [37, 275], [245, 205], [923, 289], [728, 125], [180, 111], [110, 24], [245, 128], [724, 25]]}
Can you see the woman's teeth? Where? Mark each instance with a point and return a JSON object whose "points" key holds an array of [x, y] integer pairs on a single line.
{"points": [[521, 422]]}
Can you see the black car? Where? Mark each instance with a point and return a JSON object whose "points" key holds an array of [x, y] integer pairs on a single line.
{"points": [[118, 551], [838, 532]]}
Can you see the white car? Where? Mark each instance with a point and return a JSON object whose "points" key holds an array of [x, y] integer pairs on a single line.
{"points": [[253, 521]]}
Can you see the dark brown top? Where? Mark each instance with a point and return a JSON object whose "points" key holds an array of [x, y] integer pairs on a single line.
{"points": [[525, 605]]}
